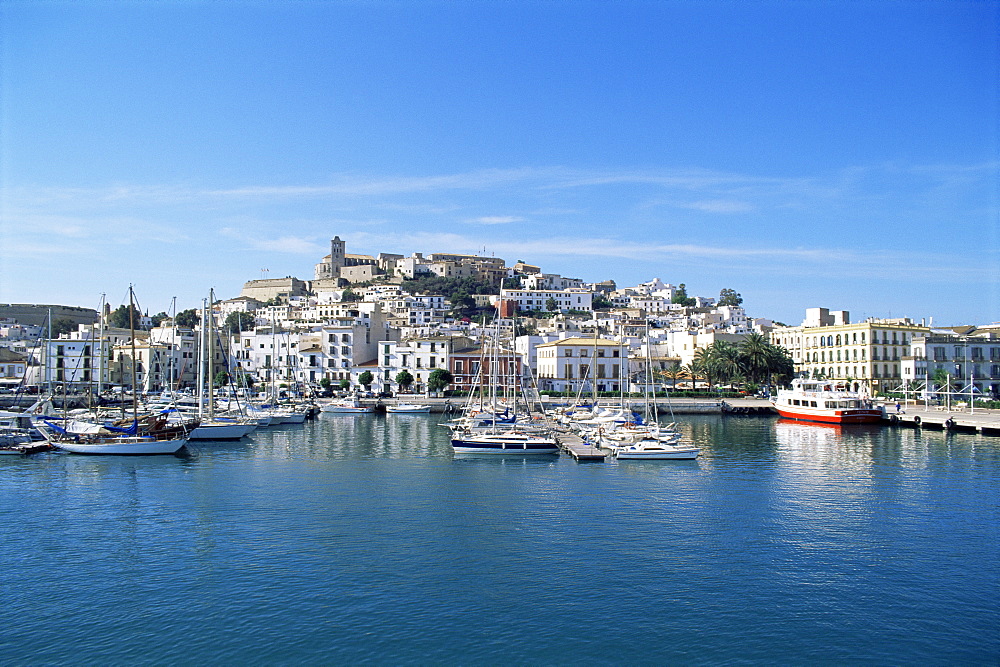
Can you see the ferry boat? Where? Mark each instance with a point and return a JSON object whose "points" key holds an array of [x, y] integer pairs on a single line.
{"points": [[823, 401]]}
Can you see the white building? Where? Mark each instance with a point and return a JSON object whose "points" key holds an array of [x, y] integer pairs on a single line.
{"points": [[580, 364], [565, 300]]}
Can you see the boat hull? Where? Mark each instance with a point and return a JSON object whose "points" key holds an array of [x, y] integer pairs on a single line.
{"points": [[221, 431], [488, 446], [124, 447], [407, 409], [675, 455], [347, 410], [862, 416]]}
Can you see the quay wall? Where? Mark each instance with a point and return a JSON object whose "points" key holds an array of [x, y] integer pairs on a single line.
{"points": [[37, 314]]}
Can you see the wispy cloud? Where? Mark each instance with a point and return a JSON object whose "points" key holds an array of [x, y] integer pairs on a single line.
{"points": [[286, 244], [497, 219], [720, 206]]}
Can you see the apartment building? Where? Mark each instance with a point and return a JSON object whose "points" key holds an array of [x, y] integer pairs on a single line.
{"points": [[867, 354], [565, 300], [971, 360], [581, 364]]}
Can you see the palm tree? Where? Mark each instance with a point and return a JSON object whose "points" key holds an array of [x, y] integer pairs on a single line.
{"points": [[693, 371], [673, 372], [725, 361], [779, 364], [756, 353], [703, 365]]}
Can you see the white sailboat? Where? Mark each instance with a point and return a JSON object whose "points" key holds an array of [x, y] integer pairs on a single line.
{"points": [[656, 443], [496, 434], [211, 427], [113, 440]]}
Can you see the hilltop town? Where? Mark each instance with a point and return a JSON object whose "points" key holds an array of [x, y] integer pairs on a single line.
{"points": [[388, 323]]}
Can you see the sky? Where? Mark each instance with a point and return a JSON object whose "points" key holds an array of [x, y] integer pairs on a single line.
{"points": [[836, 154]]}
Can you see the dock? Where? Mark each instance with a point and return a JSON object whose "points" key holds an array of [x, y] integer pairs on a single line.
{"points": [[574, 445], [982, 421]]}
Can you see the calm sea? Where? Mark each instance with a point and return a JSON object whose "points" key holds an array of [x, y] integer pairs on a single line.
{"points": [[363, 539]]}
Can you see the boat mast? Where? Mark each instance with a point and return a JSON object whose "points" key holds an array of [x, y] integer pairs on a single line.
{"points": [[173, 347], [211, 354], [131, 328], [201, 364]]}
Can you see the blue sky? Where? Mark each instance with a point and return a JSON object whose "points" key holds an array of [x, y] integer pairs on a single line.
{"points": [[839, 154]]}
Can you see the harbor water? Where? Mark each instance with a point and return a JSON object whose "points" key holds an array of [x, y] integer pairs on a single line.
{"points": [[364, 539]]}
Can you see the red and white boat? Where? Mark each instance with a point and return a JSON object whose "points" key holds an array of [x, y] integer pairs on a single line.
{"points": [[823, 401]]}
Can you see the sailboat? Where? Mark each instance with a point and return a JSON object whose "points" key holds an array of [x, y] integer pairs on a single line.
{"points": [[213, 428], [135, 439], [495, 434], [656, 442]]}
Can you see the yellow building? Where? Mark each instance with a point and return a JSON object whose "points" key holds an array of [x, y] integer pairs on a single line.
{"points": [[865, 354]]}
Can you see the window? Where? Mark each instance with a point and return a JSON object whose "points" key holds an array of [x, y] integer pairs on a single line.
{"points": [[569, 352]]}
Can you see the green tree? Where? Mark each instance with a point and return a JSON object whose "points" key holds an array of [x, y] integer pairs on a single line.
{"points": [[673, 372], [366, 379], [120, 317], [404, 379], [462, 304], [187, 319], [326, 384], [780, 366], [757, 356], [63, 325], [439, 379], [159, 318], [237, 322], [940, 379], [681, 296], [693, 371], [730, 297], [512, 283], [600, 302], [703, 365], [551, 305], [724, 361], [433, 284], [350, 295], [345, 384], [221, 379]]}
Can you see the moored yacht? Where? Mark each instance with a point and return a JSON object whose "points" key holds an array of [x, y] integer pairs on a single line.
{"points": [[824, 401]]}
